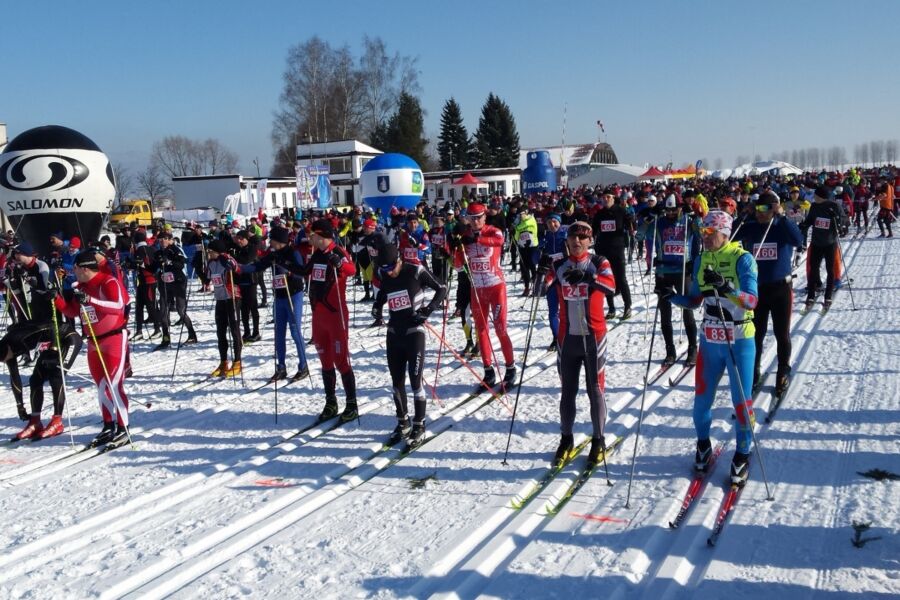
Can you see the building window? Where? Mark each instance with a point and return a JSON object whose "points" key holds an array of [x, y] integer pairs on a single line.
{"points": [[363, 162], [274, 199], [515, 186], [294, 197], [284, 198], [338, 166], [501, 188], [348, 196]]}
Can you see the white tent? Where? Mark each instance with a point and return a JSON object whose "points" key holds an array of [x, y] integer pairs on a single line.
{"points": [[608, 175], [776, 167]]}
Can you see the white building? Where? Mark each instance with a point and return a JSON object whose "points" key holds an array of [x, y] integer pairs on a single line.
{"points": [[218, 191], [504, 181], [345, 160]]}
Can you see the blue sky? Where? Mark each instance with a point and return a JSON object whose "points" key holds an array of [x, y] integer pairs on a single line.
{"points": [[670, 80]]}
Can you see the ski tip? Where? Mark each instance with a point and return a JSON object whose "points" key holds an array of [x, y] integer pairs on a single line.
{"points": [[710, 542], [673, 525]]}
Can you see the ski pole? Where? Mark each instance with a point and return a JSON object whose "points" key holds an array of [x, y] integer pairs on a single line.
{"points": [[684, 253], [597, 369], [437, 368], [650, 257], [181, 331], [275, 347], [740, 383], [512, 421], [62, 367], [237, 321], [467, 365], [117, 401], [637, 438], [846, 273], [344, 327], [474, 294]]}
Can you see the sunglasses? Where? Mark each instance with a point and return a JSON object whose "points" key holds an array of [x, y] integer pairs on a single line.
{"points": [[763, 208], [708, 231]]}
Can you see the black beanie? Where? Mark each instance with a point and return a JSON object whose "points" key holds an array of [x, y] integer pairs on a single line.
{"points": [[218, 246], [87, 259], [323, 228], [387, 255], [279, 234]]}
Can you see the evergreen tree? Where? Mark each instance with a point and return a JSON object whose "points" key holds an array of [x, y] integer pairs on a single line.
{"points": [[453, 144], [405, 131], [497, 140]]}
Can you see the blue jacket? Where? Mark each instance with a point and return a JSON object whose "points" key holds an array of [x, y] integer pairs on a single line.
{"points": [[554, 244], [670, 244], [774, 258]]}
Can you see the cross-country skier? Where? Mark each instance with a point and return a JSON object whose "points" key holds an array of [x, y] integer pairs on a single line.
{"points": [[328, 269], [726, 274], [582, 281], [169, 262], [220, 272], [824, 218], [610, 226], [403, 290]]}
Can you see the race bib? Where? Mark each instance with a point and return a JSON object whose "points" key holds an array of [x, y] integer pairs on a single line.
{"points": [[279, 282], [168, 277], [410, 254], [43, 346], [373, 252], [437, 239], [398, 300], [822, 223], [216, 280], [556, 256], [480, 265], [673, 248], [607, 225], [318, 272], [765, 251], [525, 236], [91, 314], [715, 333], [574, 293]]}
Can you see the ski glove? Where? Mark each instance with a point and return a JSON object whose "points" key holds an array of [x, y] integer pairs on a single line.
{"points": [[545, 264], [81, 296], [421, 315], [575, 276], [335, 260], [664, 292], [376, 312], [714, 279]]}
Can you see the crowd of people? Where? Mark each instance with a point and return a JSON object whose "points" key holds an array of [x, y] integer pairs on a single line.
{"points": [[727, 247]]}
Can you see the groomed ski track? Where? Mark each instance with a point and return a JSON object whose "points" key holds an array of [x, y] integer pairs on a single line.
{"points": [[211, 505]]}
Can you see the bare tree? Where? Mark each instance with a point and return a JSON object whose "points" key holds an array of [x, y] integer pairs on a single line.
{"points": [[864, 154], [812, 158], [740, 160], [718, 164], [384, 78], [876, 150], [153, 183], [890, 151], [124, 181], [215, 158]]}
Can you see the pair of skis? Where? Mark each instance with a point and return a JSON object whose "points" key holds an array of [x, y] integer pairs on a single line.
{"points": [[696, 488]]}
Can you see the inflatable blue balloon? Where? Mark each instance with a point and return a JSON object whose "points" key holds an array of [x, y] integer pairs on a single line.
{"points": [[539, 174], [391, 180], [54, 179]]}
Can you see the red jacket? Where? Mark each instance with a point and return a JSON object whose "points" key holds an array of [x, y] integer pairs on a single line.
{"points": [[105, 307]]}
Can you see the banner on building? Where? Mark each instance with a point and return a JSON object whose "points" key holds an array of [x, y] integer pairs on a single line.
{"points": [[261, 186], [313, 186]]}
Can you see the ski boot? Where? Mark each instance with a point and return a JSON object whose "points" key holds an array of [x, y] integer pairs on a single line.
{"points": [[191, 340], [465, 351], [826, 305], [611, 313], [220, 370], [235, 369], [509, 378], [351, 411], [598, 446], [566, 444], [740, 469], [280, 373], [671, 357], [31, 431], [53, 428], [552, 347], [527, 291], [691, 359], [106, 434], [377, 323], [702, 456], [488, 381], [254, 338], [245, 338], [302, 373], [416, 436], [474, 353], [331, 409], [627, 314], [401, 431], [165, 343], [782, 381], [155, 333]]}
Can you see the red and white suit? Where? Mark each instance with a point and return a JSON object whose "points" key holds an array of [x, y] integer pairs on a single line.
{"points": [[103, 324], [488, 290]]}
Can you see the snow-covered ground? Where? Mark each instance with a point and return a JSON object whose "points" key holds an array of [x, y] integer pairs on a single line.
{"points": [[214, 502]]}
